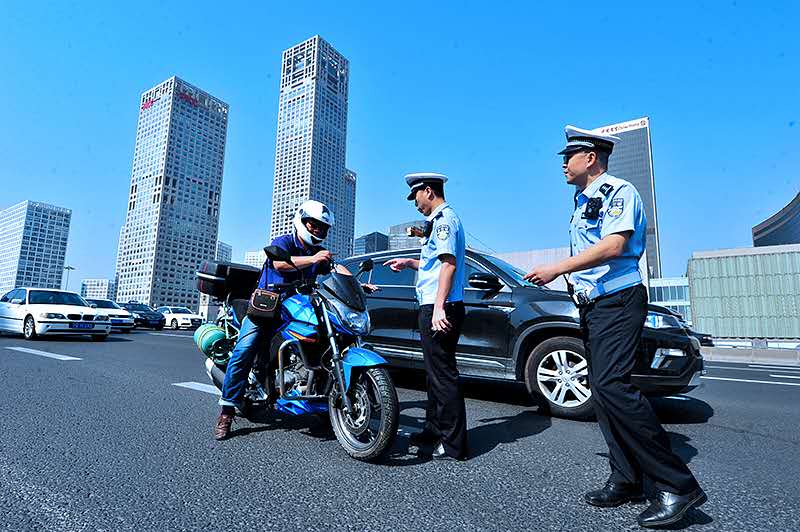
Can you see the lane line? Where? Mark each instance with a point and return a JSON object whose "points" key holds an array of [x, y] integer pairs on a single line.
{"points": [[748, 380], [207, 388], [750, 369], [43, 353], [774, 368], [171, 334], [786, 376]]}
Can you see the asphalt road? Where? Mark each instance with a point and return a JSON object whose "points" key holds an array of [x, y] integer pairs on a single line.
{"points": [[109, 442]]}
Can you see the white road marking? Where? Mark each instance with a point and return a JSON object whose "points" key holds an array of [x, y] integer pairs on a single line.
{"points": [[774, 368], [43, 353], [786, 376], [172, 334], [756, 382], [200, 387], [751, 369]]}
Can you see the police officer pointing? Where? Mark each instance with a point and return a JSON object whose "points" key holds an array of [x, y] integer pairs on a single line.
{"points": [[607, 239], [440, 291]]}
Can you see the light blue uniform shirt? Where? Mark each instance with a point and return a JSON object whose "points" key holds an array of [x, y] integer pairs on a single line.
{"points": [[446, 238], [622, 210]]}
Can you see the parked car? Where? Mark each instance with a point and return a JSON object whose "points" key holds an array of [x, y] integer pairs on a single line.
{"points": [[145, 316], [179, 317], [517, 331], [35, 312], [706, 340], [121, 319]]}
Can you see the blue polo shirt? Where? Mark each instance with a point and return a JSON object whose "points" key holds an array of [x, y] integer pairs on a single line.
{"points": [[296, 248]]}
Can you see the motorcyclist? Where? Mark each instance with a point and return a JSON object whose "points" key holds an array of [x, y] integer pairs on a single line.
{"points": [[312, 223]]}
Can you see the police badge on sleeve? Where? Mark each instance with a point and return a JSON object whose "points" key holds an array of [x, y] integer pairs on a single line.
{"points": [[443, 232], [616, 207]]}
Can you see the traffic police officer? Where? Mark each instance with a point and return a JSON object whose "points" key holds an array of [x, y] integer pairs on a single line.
{"points": [[607, 239], [440, 291]]}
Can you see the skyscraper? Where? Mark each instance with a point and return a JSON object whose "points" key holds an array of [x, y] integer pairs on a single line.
{"points": [[781, 228], [33, 245], [255, 258], [632, 160], [311, 138], [224, 252], [173, 204], [97, 288], [371, 243]]}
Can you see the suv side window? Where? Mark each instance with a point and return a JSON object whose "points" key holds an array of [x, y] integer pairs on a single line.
{"points": [[383, 276], [6, 298]]}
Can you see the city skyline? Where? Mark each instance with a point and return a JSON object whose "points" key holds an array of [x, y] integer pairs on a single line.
{"points": [[411, 111]]}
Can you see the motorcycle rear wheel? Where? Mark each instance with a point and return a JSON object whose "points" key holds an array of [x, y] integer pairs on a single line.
{"points": [[368, 432]]}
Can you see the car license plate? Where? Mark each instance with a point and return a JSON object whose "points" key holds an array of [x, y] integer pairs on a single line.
{"points": [[81, 325]]}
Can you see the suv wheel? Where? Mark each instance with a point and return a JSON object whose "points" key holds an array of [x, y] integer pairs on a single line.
{"points": [[557, 372]]}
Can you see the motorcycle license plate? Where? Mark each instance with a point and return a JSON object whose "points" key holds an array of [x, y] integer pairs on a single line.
{"points": [[81, 325]]}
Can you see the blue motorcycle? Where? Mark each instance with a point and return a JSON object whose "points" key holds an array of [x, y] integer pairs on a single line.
{"points": [[316, 362]]}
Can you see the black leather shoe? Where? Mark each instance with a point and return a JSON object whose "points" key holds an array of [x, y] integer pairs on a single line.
{"points": [[441, 455], [668, 508], [614, 494], [423, 437]]}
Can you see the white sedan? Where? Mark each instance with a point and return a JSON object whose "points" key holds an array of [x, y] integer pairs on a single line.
{"points": [[121, 319], [178, 317], [36, 312]]}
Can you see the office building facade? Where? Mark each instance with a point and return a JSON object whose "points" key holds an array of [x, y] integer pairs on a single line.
{"points": [[673, 293], [33, 245], [255, 258], [781, 228], [747, 292], [398, 236], [632, 160], [224, 252], [370, 243], [172, 218], [98, 289], [311, 141]]}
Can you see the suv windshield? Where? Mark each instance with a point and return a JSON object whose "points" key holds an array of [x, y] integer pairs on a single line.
{"points": [[101, 303], [512, 271], [42, 297]]}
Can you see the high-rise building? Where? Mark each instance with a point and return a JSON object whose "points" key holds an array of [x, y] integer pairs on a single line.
{"points": [[370, 243], [781, 228], [399, 239], [173, 205], [224, 252], [255, 258], [33, 245], [311, 139], [98, 289], [632, 160]]}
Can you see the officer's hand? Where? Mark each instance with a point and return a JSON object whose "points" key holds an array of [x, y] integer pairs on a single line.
{"points": [[323, 255], [370, 288], [542, 275], [439, 322], [397, 265]]}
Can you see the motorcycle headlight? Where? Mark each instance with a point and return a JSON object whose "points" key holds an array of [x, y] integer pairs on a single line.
{"points": [[655, 320], [356, 321], [52, 316]]}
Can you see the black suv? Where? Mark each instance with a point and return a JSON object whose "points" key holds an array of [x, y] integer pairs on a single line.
{"points": [[144, 316], [516, 331]]}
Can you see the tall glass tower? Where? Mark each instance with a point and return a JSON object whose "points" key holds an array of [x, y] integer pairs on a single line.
{"points": [[174, 198], [632, 160], [311, 141]]}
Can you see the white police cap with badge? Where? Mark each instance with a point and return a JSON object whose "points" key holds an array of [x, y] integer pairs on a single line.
{"points": [[583, 139], [421, 180]]}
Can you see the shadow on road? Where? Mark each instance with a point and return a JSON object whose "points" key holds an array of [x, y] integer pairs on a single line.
{"points": [[682, 410], [507, 392]]}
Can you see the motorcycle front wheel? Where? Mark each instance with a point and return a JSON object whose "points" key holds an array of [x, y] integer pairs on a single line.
{"points": [[368, 431]]}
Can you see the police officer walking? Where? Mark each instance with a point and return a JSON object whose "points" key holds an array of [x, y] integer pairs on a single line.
{"points": [[440, 291], [607, 239]]}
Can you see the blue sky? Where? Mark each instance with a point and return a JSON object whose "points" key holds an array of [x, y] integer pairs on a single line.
{"points": [[479, 91]]}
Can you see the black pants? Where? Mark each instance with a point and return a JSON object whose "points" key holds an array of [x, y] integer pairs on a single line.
{"points": [[639, 448], [445, 415]]}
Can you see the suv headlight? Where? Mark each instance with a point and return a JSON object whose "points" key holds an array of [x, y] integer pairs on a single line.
{"points": [[101, 317], [655, 320], [356, 321], [52, 316]]}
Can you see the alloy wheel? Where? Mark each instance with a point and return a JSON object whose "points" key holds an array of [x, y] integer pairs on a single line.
{"points": [[563, 378]]}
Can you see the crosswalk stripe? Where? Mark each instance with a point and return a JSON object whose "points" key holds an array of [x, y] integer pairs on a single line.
{"points": [[43, 353], [199, 386]]}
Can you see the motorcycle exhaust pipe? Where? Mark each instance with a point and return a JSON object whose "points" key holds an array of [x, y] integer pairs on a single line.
{"points": [[216, 375]]}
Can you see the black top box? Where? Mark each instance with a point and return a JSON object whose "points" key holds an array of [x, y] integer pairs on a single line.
{"points": [[226, 279]]}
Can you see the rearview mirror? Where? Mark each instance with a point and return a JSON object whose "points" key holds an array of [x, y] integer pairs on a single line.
{"points": [[365, 266], [485, 281]]}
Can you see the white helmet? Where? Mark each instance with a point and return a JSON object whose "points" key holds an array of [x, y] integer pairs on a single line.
{"points": [[313, 210]]}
